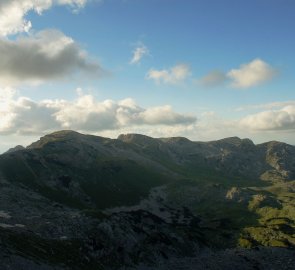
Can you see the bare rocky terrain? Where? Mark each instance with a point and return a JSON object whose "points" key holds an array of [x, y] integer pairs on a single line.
{"points": [[74, 201]]}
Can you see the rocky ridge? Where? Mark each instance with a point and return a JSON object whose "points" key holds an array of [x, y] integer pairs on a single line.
{"points": [[74, 201]]}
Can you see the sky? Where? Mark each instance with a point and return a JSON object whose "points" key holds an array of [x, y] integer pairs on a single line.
{"points": [[203, 69]]}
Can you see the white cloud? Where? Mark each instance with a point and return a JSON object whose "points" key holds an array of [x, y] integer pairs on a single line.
{"points": [[46, 55], [26, 117], [13, 12], [251, 74], [7, 93], [282, 119], [174, 75], [139, 53], [164, 115], [248, 75], [21, 115]]}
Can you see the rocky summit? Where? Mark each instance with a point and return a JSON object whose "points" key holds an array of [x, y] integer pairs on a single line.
{"points": [[74, 201]]}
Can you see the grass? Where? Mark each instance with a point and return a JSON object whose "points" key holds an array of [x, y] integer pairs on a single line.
{"points": [[266, 216], [276, 220]]}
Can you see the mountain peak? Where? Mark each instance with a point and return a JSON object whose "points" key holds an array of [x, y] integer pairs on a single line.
{"points": [[135, 138], [64, 133], [16, 148], [56, 136], [235, 141]]}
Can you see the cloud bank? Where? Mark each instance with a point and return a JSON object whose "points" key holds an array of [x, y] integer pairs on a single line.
{"points": [[282, 119], [21, 115]]}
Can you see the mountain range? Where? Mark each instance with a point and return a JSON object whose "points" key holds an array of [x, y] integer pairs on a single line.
{"points": [[75, 201]]}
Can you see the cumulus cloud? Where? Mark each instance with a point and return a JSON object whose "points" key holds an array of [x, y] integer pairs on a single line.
{"points": [[46, 55], [7, 93], [25, 115], [213, 79], [282, 119], [13, 12], [174, 75], [139, 53], [254, 73], [21, 115], [248, 75]]}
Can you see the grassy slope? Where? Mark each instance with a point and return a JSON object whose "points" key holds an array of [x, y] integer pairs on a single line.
{"points": [[263, 215], [108, 183], [276, 222]]}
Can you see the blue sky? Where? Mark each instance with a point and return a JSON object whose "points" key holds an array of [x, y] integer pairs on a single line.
{"points": [[201, 69]]}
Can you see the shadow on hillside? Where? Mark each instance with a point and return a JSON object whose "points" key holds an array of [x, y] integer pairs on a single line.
{"points": [[223, 215]]}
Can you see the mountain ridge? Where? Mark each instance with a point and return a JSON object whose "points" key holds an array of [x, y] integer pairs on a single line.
{"points": [[141, 200]]}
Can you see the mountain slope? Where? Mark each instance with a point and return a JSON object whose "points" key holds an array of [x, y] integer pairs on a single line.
{"points": [[136, 200]]}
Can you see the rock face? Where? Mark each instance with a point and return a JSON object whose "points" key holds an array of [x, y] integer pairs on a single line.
{"points": [[74, 201]]}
